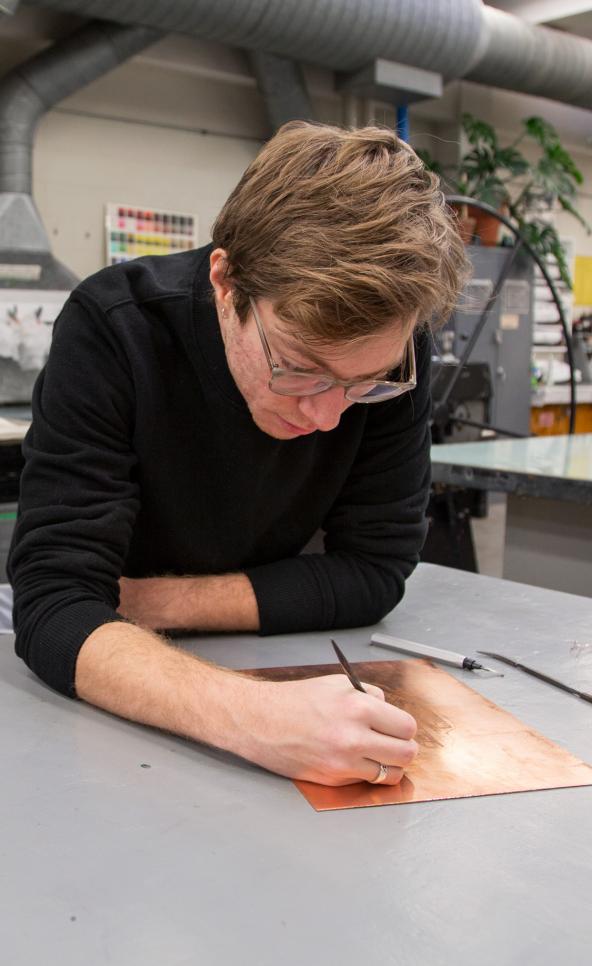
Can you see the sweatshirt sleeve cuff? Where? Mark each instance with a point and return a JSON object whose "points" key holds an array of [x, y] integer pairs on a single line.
{"points": [[290, 596], [56, 648]]}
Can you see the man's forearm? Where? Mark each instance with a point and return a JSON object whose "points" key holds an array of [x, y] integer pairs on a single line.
{"points": [[135, 674], [320, 729], [224, 602]]}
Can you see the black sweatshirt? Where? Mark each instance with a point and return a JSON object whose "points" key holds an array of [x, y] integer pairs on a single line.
{"points": [[143, 460]]}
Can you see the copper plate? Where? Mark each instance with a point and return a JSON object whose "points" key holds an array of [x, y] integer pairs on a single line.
{"points": [[468, 745]]}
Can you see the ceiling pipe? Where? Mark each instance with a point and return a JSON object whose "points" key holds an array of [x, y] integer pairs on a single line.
{"points": [[520, 56], [282, 86], [32, 88], [440, 35], [26, 93], [453, 38]]}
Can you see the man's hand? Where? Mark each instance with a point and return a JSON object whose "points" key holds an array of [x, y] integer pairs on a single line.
{"points": [[320, 729], [323, 730]]}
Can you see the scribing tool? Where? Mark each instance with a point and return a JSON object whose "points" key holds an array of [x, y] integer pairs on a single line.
{"points": [[348, 669], [425, 650]]}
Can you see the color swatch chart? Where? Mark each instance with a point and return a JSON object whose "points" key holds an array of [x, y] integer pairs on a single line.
{"points": [[132, 231]]}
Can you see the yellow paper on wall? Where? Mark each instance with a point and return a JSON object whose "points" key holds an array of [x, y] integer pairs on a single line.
{"points": [[583, 280]]}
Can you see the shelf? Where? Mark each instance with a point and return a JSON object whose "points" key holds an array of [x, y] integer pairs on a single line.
{"points": [[548, 348], [559, 395]]}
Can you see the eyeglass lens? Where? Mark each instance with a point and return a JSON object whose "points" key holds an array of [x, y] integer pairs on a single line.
{"points": [[300, 384]]}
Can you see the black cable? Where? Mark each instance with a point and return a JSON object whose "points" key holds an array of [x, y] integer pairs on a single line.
{"points": [[482, 206]]}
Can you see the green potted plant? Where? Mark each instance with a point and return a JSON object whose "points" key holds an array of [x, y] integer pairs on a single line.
{"points": [[485, 173], [553, 179], [505, 179], [466, 223]]}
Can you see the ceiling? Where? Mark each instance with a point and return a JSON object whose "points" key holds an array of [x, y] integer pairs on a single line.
{"points": [[573, 16]]}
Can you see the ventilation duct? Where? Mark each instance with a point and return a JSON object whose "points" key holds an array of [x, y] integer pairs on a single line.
{"points": [[283, 88], [534, 60], [454, 38], [437, 34], [33, 284], [34, 87]]}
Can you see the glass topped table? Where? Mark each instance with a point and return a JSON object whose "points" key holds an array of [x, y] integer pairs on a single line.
{"points": [[548, 480]]}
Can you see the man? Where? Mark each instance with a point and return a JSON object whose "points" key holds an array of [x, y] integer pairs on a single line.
{"points": [[202, 415]]}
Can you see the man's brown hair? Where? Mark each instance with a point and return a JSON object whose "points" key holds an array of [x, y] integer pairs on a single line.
{"points": [[344, 231]]}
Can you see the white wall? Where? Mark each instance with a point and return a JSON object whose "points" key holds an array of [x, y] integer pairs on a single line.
{"points": [[81, 163], [148, 135], [174, 128]]}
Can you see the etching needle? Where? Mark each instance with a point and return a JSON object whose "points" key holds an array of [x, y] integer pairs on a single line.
{"points": [[538, 674], [348, 669], [426, 650]]}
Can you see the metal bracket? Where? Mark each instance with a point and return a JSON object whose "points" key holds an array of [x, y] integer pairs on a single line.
{"points": [[391, 82]]}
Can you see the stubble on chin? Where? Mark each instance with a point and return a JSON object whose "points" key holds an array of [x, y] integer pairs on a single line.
{"points": [[272, 426]]}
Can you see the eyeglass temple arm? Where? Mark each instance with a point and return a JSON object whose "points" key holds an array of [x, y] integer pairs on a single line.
{"points": [[270, 360]]}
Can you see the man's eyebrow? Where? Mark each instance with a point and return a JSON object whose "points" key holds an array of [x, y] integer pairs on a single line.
{"points": [[322, 364]]}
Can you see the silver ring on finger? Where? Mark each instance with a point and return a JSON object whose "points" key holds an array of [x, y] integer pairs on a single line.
{"points": [[382, 775]]}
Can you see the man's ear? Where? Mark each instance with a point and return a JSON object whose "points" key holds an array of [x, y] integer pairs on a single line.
{"points": [[220, 283]]}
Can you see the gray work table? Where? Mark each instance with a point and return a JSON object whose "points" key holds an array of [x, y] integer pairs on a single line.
{"points": [[202, 858], [548, 480], [14, 423]]}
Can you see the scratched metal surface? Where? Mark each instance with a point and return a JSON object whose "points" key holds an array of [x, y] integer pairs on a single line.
{"points": [[467, 744], [201, 858]]}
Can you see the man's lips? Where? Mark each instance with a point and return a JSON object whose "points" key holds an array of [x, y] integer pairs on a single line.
{"points": [[295, 429]]}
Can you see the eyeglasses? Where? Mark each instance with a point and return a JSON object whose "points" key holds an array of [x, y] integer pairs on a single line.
{"points": [[301, 382]]}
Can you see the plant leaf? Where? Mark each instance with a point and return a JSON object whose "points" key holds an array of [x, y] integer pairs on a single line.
{"points": [[560, 157], [478, 131], [567, 206], [543, 238], [430, 162], [542, 131], [512, 159]]}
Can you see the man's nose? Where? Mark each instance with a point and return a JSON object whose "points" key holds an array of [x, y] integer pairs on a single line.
{"points": [[324, 410]]}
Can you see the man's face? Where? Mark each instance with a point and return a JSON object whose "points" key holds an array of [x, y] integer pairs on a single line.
{"points": [[286, 417]]}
